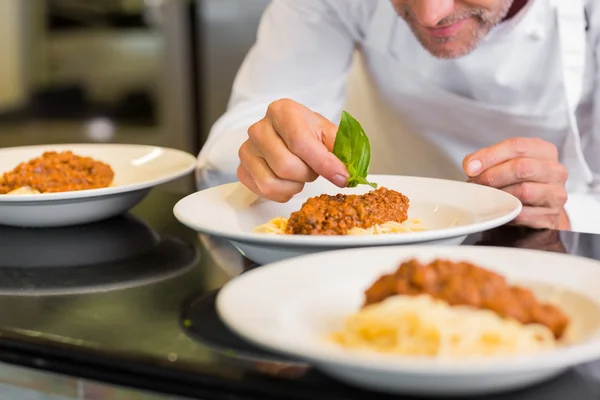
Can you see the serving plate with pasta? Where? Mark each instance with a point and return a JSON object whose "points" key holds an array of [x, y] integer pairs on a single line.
{"points": [[401, 210], [71, 184], [426, 320]]}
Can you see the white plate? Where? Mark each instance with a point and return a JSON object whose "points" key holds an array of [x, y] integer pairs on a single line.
{"points": [[289, 306], [137, 170], [449, 210]]}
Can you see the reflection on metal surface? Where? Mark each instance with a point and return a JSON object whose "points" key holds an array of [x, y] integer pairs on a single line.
{"points": [[104, 242], [54, 338], [521, 237], [144, 327], [137, 323], [200, 320], [115, 254], [223, 254]]}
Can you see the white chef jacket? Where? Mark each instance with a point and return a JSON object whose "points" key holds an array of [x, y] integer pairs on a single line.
{"points": [[533, 75]]}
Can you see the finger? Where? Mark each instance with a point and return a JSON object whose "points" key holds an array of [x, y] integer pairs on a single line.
{"points": [[488, 157], [246, 179], [519, 170], [271, 187], [328, 130], [538, 194], [538, 217], [304, 134], [283, 162]]}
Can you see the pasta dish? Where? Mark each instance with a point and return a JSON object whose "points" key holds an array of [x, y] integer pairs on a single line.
{"points": [[56, 172], [380, 211], [450, 310]]}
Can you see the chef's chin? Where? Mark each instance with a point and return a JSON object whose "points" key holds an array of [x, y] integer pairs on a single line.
{"points": [[454, 46], [449, 49]]}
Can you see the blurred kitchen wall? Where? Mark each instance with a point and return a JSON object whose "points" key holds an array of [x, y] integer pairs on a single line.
{"points": [[145, 71], [227, 31], [121, 71], [97, 71], [154, 72], [13, 92]]}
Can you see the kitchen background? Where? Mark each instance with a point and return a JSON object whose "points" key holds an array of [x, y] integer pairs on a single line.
{"points": [[144, 71], [155, 72]]}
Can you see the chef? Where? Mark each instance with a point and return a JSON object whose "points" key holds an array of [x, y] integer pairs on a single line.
{"points": [[508, 87]]}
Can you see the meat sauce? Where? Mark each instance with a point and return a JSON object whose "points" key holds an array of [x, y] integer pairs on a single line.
{"points": [[336, 215], [467, 284], [58, 172]]}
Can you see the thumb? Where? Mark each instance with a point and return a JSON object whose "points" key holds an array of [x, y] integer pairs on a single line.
{"points": [[328, 131]]}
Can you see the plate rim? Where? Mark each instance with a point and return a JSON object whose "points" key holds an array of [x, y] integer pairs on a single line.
{"points": [[372, 240], [100, 192], [557, 359]]}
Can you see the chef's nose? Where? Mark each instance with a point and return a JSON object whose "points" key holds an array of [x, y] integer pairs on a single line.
{"points": [[430, 12]]}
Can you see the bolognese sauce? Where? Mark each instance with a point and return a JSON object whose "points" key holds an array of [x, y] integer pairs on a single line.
{"points": [[336, 215], [469, 285], [58, 172]]}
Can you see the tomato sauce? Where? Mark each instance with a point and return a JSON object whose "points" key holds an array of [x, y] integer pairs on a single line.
{"points": [[469, 285], [58, 172], [336, 215]]}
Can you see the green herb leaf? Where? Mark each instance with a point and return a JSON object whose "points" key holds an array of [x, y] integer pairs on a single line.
{"points": [[230, 353], [352, 147], [359, 180]]}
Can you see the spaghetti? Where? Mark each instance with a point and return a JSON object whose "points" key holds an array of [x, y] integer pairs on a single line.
{"points": [[24, 190], [278, 225], [424, 326]]}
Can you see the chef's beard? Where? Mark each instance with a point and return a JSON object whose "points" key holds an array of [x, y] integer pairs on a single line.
{"points": [[485, 20]]}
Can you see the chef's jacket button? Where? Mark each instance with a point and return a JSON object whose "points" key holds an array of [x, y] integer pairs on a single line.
{"points": [[536, 33]]}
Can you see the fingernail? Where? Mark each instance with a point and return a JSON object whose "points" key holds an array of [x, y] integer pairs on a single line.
{"points": [[473, 167], [339, 180]]}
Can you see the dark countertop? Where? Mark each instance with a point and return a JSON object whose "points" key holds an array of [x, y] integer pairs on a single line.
{"points": [[129, 301]]}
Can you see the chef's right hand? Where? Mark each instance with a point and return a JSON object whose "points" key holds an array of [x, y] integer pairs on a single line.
{"points": [[289, 147]]}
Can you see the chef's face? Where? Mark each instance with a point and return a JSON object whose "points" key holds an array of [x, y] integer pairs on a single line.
{"points": [[451, 28]]}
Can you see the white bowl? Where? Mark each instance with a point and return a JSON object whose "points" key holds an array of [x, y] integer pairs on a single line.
{"points": [[449, 210], [137, 170], [290, 306]]}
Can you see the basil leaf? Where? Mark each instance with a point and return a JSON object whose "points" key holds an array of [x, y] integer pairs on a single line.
{"points": [[352, 147], [361, 181]]}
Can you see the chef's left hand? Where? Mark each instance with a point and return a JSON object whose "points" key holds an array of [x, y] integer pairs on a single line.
{"points": [[527, 168]]}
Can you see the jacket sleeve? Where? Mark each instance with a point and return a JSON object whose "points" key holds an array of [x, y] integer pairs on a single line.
{"points": [[593, 149], [584, 208], [304, 52]]}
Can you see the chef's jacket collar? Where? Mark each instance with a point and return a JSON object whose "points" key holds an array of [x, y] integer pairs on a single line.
{"points": [[530, 20]]}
